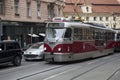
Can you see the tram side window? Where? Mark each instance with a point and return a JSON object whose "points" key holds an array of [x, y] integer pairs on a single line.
{"points": [[78, 34], [102, 35], [110, 36], [88, 34], [107, 35], [91, 34], [85, 34], [68, 33], [99, 37]]}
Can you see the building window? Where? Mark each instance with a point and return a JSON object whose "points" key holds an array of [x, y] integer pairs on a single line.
{"points": [[50, 8], [100, 18], [59, 11], [94, 18], [87, 18], [107, 24], [1, 6], [49, 11], [38, 8], [87, 9], [16, 7], [114, 18], [106, 18], [114, 26], [28, 9]]}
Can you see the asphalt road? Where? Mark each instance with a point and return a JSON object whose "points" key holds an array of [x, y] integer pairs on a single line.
{"points": [[103, 68]]}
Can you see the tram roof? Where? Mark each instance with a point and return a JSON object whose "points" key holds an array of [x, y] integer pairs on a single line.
{"points": [[87, 25]]}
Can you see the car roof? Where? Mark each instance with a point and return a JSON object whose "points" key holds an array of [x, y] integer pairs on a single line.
{"points": [[38, 43]]}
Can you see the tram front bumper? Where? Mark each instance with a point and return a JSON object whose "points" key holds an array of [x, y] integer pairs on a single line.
{"points": [[58, 57]]}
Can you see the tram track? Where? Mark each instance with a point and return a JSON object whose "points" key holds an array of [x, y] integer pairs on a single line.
{"points": [[43, 71], [85, 67], [46, 70], [87, 71], [107, 59], [115, 73], [98, 66]]}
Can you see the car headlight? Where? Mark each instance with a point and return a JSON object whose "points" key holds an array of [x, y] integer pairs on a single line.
{"points": [[38, 53], [25, 52]]}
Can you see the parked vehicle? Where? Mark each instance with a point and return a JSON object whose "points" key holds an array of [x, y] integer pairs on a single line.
{"points": [[34, 52], [26, 47], [10, 51]]}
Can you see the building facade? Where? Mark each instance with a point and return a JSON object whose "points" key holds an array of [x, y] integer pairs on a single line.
{"points": [[24, 20], [105, 12]]}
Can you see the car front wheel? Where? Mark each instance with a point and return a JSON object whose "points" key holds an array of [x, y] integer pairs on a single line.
{"points": [[17, 61]]}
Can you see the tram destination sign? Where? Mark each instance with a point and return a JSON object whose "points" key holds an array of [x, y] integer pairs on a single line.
{"points": [[55, 25]]}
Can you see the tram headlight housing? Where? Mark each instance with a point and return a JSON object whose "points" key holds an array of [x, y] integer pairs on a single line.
{"points": [[59, 49], [68, 49], [45, 48]]}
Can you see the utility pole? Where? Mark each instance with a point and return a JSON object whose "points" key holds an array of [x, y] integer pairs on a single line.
{"points": [[75, 8]]}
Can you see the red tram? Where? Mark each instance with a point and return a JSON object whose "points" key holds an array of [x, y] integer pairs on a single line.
{"points": [[70, 41]]}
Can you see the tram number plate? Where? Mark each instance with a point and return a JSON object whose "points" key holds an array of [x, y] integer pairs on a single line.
{"points": [[50, 58]]}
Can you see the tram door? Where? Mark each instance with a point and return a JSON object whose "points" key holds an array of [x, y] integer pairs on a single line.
{"points": [[77, 45], [100, 39]]}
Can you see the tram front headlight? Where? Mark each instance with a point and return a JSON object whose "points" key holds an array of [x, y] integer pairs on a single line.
{"points": [[59, 49], [45, 48], [68, 49]]}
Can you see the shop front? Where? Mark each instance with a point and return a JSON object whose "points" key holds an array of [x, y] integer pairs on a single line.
{"points": [[24, 32]]}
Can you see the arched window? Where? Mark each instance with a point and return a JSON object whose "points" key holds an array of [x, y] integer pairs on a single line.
{"points": [[1, 6], [38, 8], [87, 9], [16, 6]]}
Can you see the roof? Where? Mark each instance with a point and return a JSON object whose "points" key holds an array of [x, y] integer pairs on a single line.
{"points": [[98, 6], [94, 1], [70, 9], [106, 9]]}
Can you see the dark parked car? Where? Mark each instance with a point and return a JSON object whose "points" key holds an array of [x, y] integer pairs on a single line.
{"points": [[10, 51]]}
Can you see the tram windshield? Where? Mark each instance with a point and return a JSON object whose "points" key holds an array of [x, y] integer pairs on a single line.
{"points": [[58, 34]]}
